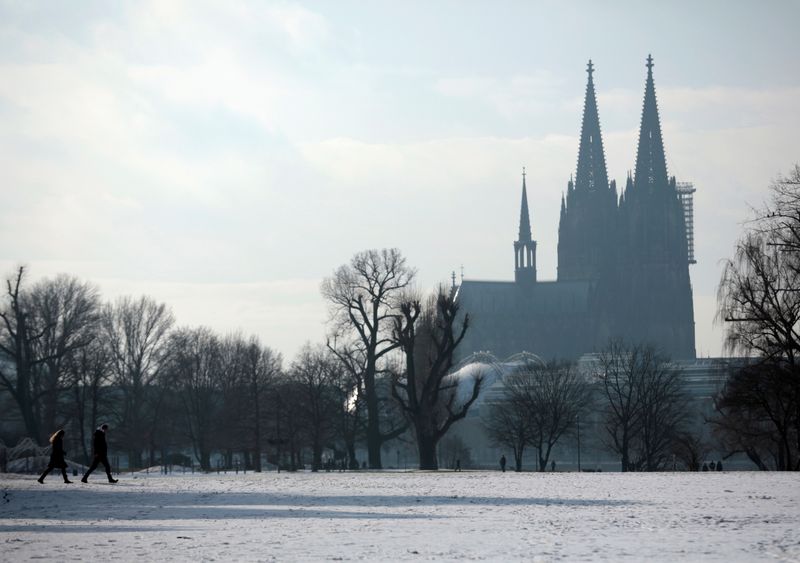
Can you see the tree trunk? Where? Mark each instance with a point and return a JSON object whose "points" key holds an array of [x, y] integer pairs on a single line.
{"points": [[625, 457], [316, 461], [257, 437], [518, 459], [373, 421], [351, 455], [426, 444]]}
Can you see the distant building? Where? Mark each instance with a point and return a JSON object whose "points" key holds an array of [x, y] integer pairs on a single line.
{"points": [[702, 380], [623, 260]]}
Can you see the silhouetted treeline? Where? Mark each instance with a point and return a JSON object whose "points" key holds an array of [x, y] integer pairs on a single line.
{"points": [[69, 360]]}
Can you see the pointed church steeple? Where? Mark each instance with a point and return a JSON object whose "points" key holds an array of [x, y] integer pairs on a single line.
{"points": [[651, 165], [524, 246], [591, 174], [524, 215]]}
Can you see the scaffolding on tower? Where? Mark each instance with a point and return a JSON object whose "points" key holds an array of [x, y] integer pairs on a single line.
{"points": [[686, 195]]}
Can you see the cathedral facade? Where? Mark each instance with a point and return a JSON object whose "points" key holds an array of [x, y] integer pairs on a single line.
{"points": [[623, 260]]}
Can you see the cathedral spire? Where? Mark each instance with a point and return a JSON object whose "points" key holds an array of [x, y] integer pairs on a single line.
{"points": [[651, 165], [524, 246], [591, 173], [524, 216]]}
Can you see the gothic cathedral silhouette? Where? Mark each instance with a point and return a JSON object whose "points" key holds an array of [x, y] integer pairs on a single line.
{"points": [[623, 260]]}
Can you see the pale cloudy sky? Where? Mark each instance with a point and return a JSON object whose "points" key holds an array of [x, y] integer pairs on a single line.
{"points": [[225, 156]]}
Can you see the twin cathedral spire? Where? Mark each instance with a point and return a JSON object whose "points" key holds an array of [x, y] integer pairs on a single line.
{"points": [[589, 238], [623, 267]]}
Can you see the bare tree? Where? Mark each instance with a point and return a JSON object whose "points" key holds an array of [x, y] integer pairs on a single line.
{"points": [[619, 369], [665, 411], [756, 415], [40, 327], [363, 296], [349, 388], [67, 312], [193, 368], [508, 419], [261, 366], [136, 333], [759, 301], [313, 374], [690, 449], [556, 394], [87, 370], [427, 391], [645, 404]]}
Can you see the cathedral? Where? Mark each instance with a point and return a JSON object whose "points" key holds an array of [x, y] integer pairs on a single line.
{"points": [[623, 260]]}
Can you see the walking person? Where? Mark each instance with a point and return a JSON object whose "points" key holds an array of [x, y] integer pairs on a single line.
{"points": [[503, 463], [57, 457], [100, 450]]}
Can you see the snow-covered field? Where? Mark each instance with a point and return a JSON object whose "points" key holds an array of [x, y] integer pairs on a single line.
{"points": [[405, 516]]}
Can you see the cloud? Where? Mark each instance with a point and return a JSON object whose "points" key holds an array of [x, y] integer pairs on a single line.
{"points": [[512, 97], [446, 165], [184, 148]]}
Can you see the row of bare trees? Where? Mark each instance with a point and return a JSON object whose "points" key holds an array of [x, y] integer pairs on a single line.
{"points": [[636, 397], [69, 360], [758, 412]]}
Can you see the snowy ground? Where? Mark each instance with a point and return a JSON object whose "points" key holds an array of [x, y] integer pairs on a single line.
{"points": [[405, 516]]}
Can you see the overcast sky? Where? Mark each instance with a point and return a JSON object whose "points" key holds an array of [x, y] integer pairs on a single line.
{"points": [[224, 157]]}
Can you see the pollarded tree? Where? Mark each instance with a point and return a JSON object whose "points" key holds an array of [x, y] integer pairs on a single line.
{"points": [[364, 297], [427, 391]]}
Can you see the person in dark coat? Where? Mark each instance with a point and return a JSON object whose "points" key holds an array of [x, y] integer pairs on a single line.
{"points": [[100, 454], [503, 463], [57, 457], [719, 465]]}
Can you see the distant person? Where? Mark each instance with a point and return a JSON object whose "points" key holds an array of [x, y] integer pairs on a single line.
{"points": [[713, 466], [705, 466], [719, 465], [503, 463], [552, 466], [57, 457], [100, 454], [458, 465]]}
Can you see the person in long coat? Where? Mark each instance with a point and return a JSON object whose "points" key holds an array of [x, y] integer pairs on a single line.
{"points": [[100, 451], [57, 457]]}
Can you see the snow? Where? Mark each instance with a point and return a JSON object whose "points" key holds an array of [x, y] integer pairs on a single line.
{"points": [[446, 516]]}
